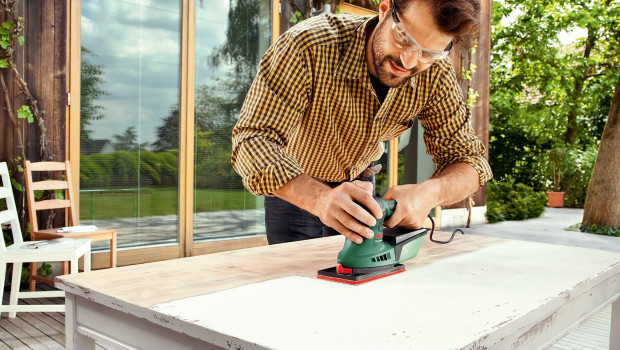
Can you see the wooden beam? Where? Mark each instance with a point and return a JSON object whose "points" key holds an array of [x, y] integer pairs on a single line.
{"points": [[275, 20], [356, 10], [186, 129], [72, 130]]}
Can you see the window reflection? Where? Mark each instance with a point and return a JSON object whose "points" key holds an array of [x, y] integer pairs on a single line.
{"points": [[128, 140], [231, 37]]}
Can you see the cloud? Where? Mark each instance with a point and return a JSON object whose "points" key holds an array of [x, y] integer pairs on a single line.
{"points": [[137, 43]]}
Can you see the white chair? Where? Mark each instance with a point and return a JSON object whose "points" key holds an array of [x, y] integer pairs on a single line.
{"points": [[20, 252]]}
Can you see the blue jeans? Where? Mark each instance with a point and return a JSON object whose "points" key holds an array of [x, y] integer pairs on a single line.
{"points": [[286, 222]]}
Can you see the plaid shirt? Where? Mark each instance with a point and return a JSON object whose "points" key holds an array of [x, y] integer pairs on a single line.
{"points": [[312, 109]]}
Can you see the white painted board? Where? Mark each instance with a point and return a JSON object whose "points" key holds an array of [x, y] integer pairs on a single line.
{"points": [[460, 302]]}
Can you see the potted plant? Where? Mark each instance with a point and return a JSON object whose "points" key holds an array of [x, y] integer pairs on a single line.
{"points": [[555, 197]]}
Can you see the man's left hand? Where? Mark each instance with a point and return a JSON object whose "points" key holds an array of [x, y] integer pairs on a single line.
{"points": [[415, 201]]}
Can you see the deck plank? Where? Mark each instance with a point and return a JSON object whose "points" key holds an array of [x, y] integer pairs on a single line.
{"points": [[52, 334], [36, 330], [8, 340], [591, 335]]}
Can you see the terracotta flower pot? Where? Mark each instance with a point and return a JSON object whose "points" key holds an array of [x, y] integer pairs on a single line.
{"points": [[555, 199]]}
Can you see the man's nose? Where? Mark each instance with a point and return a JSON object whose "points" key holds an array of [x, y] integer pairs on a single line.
{"points": [[409, 59]]}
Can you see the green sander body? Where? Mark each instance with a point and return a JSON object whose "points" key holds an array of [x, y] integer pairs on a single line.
{"points": [[376, 257]]}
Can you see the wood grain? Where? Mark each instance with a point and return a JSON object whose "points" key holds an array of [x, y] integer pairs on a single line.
{"points": [[158, 282]]}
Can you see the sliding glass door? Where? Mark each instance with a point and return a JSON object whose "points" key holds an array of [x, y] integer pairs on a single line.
{"points": [[129, 117], [231, 37], [162, 83]]}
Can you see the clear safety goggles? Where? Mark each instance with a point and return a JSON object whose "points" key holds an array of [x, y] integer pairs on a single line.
{"points": [[407, 43]]}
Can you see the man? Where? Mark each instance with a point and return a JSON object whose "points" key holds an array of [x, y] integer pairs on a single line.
{"points": [[330, 91]]}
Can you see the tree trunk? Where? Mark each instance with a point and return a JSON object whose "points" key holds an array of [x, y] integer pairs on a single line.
{"points": [[603, 199]]}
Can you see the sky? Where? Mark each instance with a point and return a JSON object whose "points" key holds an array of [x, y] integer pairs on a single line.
{"points": [[566, 36], [137, 44]]}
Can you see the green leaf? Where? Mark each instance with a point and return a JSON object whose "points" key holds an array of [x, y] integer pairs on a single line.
{"points": [[20, 39], [25, 274], [4, 63], [8, 24], [16, 185], [59, 194], [25, 113], [296, 17], [45, 270], [4, 44]]}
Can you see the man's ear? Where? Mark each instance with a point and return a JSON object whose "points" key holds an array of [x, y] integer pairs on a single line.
{"points": [[384, 9]]}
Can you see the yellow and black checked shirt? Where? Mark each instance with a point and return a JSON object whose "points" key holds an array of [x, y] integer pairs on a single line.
{"points": [[312, 109]]}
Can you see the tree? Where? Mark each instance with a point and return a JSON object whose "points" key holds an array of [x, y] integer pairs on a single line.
{"points": [[549, 94], [241, 48], [603, 200], [128, 140], [90, 82], [168, 132]]}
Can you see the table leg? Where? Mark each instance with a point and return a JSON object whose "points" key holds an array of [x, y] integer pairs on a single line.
{"points": [[113, 251], [73, 339], [614, 336]]}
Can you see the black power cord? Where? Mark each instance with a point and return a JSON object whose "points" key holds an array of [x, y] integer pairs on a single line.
{"points": [[442, 242]]}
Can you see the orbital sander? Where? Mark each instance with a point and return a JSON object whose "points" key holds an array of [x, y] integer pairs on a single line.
{"points": [[379, 256]]}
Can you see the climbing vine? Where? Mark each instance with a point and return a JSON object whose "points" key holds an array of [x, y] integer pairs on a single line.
{"points": [[11, 37]]}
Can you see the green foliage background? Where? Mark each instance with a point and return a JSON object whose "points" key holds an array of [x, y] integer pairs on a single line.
{"points": [[545, 94], [507, 200]]}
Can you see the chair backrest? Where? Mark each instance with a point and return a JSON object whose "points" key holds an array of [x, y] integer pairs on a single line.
{"points": [[64, 184], [9, 215]]}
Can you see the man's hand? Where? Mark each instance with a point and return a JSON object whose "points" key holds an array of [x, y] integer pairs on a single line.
{"points": [[339, 210], [342, 208], [415, 201]]}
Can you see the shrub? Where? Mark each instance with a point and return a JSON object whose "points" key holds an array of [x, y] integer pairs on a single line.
{"points": [[577, 173], [601, 230], [509, 201]]}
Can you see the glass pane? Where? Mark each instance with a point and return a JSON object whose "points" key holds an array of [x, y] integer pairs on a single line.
{"points": [[129, 119], [231, 37]]}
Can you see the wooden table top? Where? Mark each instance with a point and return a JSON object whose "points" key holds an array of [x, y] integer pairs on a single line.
{"points": [[169, 280], [476, 292]]}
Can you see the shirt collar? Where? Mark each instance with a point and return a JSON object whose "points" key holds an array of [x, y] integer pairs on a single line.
{"points": [[352, 63]]}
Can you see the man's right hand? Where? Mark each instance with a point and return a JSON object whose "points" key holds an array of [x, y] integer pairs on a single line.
{"points": [[342, 208]]}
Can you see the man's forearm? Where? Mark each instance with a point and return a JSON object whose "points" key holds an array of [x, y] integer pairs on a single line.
{"points": [[349, 208], [302, 191], [456, 182]]}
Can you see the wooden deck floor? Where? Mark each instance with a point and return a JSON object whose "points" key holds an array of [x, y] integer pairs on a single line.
{"points": [[46, 330], [37, 330]]}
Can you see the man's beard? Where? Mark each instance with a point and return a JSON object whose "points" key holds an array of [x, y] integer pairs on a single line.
{"points": [[380, 61]]}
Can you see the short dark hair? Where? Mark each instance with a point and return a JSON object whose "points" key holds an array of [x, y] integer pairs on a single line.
{"points": [[457, 18]]}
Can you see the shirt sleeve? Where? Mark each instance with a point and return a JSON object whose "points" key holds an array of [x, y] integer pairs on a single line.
{"points": [[448, 133], [275, 102]]}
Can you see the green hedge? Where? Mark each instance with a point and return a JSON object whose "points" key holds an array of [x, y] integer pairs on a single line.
{"points": [[509, 201], [123, 168]]}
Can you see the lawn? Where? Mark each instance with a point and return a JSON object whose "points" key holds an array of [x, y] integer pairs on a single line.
{"points": [[115, 203]]}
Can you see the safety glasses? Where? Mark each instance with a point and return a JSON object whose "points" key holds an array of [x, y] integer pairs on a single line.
{"points": [[407, 43]]}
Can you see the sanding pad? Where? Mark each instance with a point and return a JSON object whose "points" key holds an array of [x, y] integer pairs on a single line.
{"points": [[332, 274]]}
